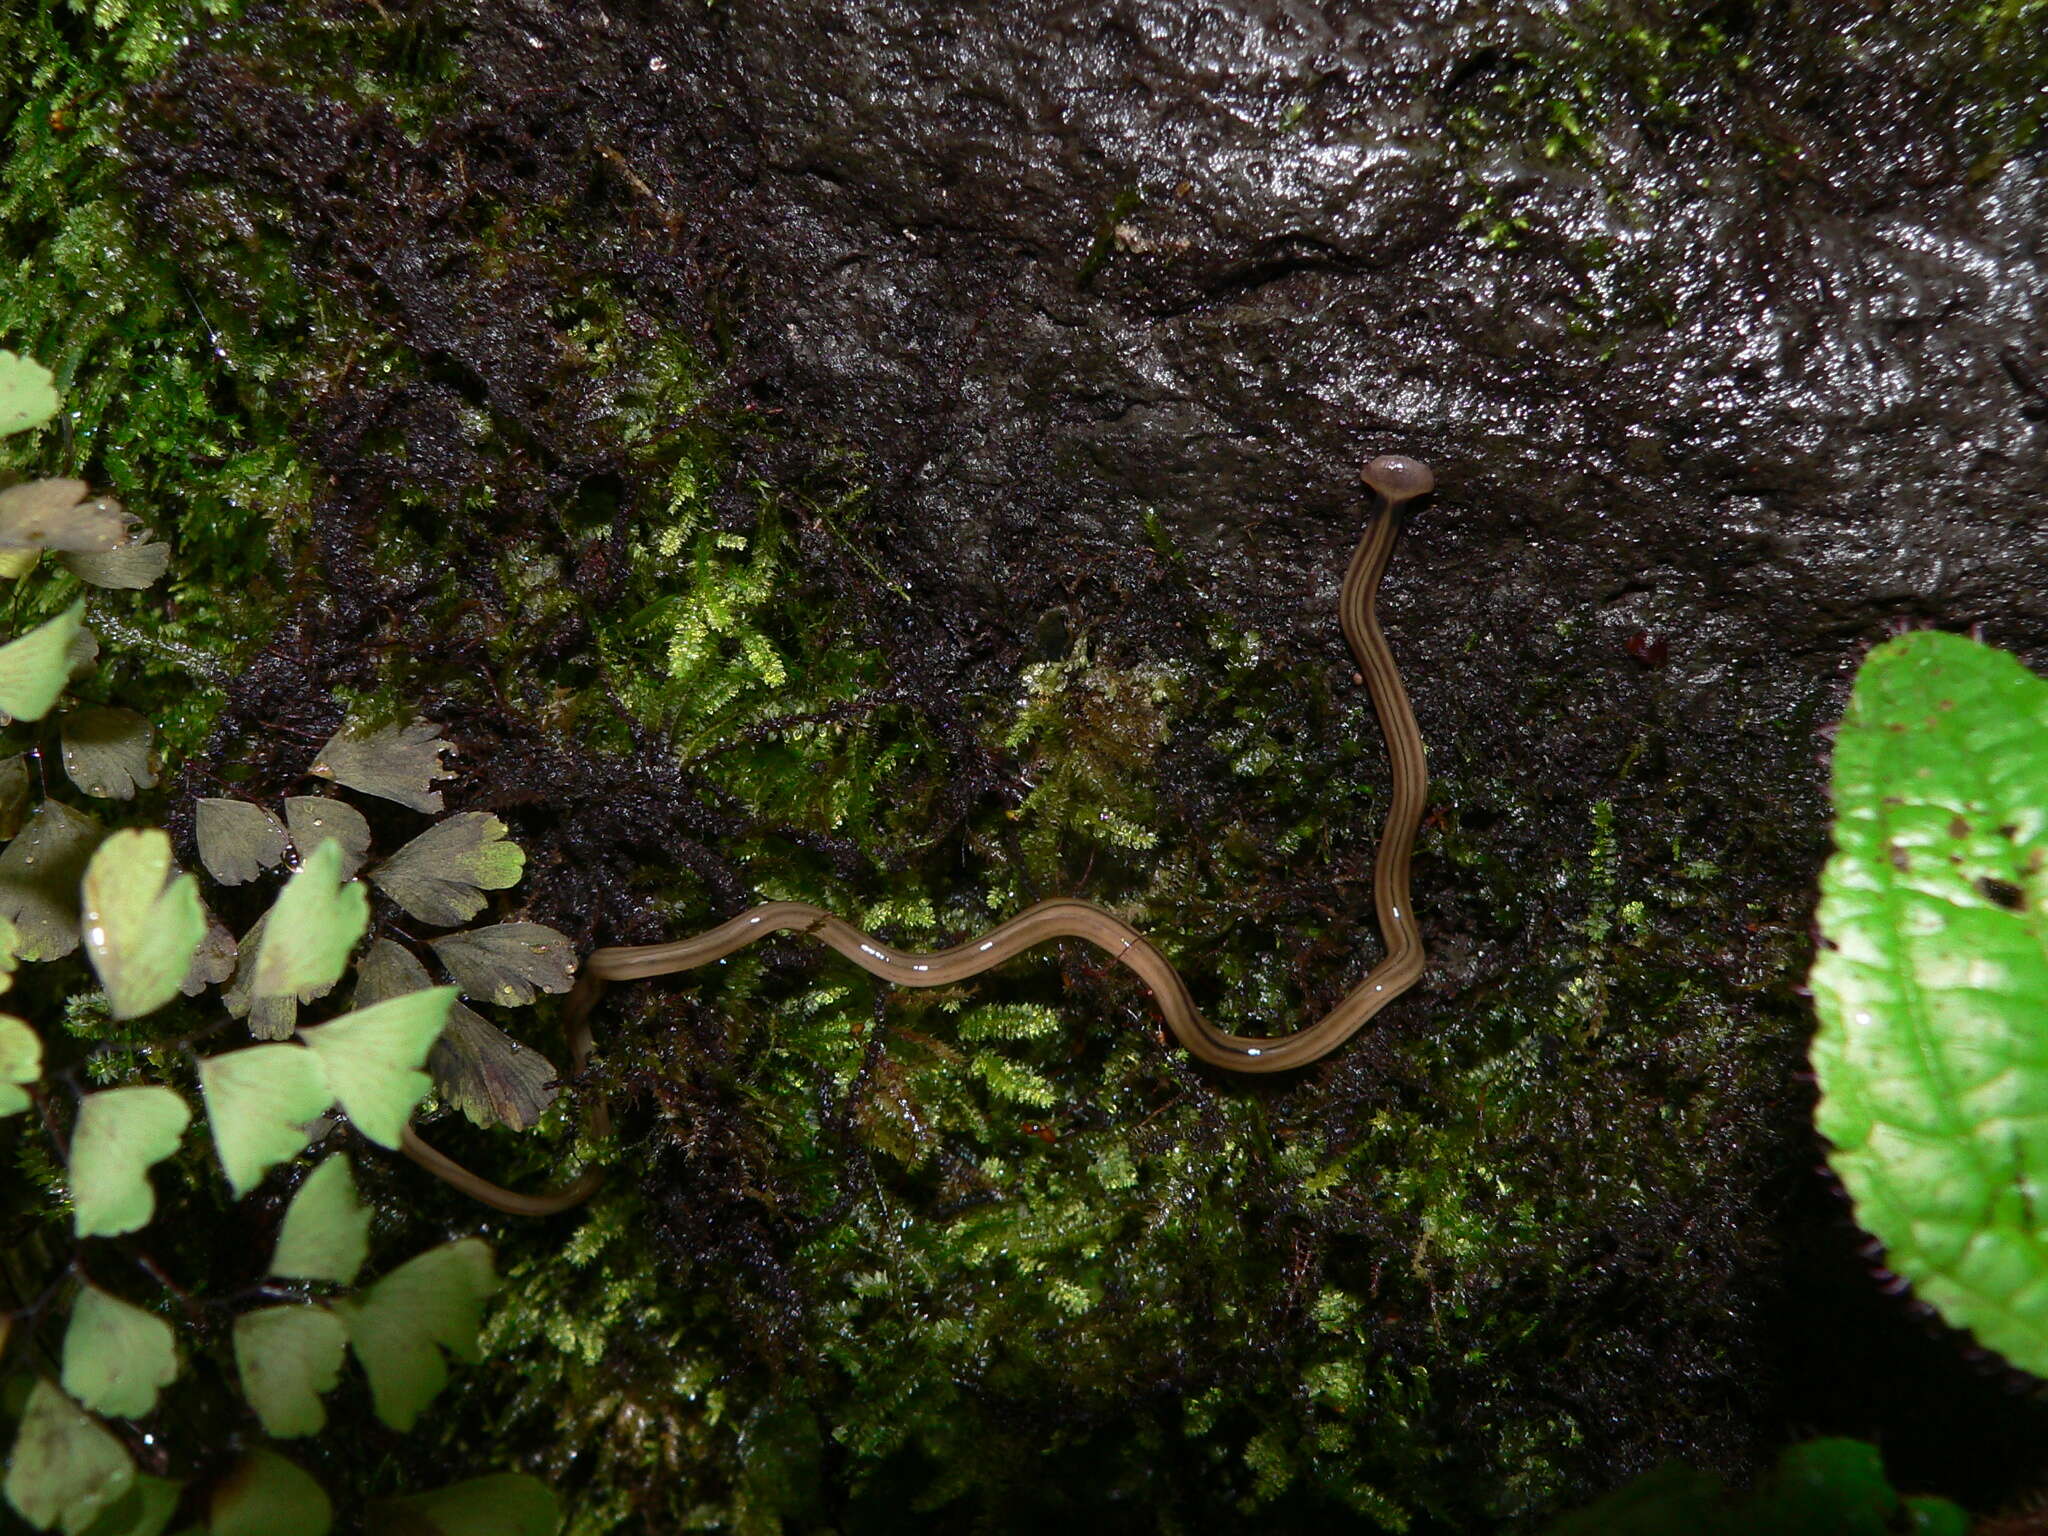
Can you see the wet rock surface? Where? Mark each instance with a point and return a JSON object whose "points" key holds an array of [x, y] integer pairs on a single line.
{"points": [[1760, 366]]}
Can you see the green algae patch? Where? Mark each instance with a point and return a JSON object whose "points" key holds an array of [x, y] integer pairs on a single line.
{"points": [[1932, 984]]}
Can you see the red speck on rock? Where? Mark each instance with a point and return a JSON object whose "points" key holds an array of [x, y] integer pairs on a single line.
{"points": [[1651, 650]]}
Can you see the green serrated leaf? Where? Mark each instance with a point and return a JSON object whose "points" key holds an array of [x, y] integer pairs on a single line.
{"points": [[259, 1101], [1829, 1484], [326, 1232], [21, 1063], [60, 514], [135, 565], [270, 1018], [1672, 1500], [237, 840], [39, 875], [399, 762], [141, 927], [107, 752], [507, 962], [1932, 981], [117, 1357], [399, 1327], [310, 931], [35, 667], [121, 1133], [10, 953], [85, 652], [287, 1357], [507, 1504], [14, 793], [492, 1078], [373, 1059], [440, 876], [274, 1018], [65, 1470], [144, 1510], [1925, 1515], [477, 1067], [266, 1495], [1827, 1487], [314, 818], [387, 970], [28, 393], [213, 962]]}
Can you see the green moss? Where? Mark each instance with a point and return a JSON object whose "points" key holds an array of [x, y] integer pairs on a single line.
{"points": [[1094, 732], [2004, 91], [168, 403], [1025, 1236]]}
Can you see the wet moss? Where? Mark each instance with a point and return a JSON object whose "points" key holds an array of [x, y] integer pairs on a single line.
{"points": [[171, 401], [961, 1239]]}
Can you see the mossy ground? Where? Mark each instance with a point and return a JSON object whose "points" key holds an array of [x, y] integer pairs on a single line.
{"points": [[437, 415]]}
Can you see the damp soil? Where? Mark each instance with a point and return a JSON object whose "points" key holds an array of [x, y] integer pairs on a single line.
{"points": [[1721, 327]]}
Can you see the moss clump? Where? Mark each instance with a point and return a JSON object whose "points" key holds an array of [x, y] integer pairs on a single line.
{"points": [[996, 1251], [174, 400]]}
